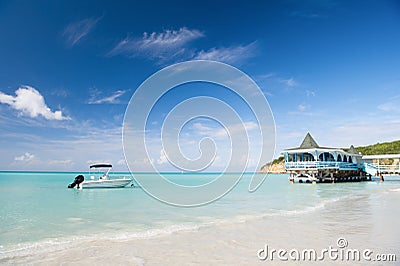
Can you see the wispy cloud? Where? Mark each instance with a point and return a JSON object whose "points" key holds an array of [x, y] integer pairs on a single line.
{"points": [[163, 158], [26, 157], [388, 130], [205, 130], [58, 92], [276, 83], [75, 31], [266, 76], [216, 155], [302, 107], [289, 82], [112, 99], [172, 45], [66, 162], [302, 113], [159, 46], [31, 103], [230, 55], [310, 93], [389, 107], [35, 152]]}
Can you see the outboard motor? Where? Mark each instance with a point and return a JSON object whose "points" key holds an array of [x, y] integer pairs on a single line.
{"points": [[78, 179]]}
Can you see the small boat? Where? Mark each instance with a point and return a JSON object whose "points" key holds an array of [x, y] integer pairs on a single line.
{"points": [[100, 178]]}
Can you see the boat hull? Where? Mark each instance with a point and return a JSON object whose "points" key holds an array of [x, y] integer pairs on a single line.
{"points": [[109, 183]]}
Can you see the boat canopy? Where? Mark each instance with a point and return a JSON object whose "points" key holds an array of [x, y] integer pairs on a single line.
{"points": [[100, 165]]}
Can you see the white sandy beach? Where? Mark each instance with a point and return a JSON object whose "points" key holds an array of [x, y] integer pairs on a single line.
{"points": [[362, 222]]}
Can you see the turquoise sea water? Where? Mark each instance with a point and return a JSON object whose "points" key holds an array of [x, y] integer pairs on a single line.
{"points": [[37, 211]]}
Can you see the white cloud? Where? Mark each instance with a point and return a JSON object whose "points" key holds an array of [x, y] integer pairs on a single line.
{"points": [[310, 93], [171, 45], [31, 103], [233, 129], [121, 162], [75, 31], [161, 46], [27, 157], [98, 161], [202, 129], [230, 55], [289, 82], [352, 133], [266, 76], [302, 113], [60, 93], [389, 107], [109, 99], [61, 162], [142, 165], [163, 158], [302, 107], [251, 125], [200, 143], [83, 144]]}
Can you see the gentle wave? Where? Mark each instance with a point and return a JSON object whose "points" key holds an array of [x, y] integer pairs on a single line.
{"points": [[57, 244], [394, 190], [8, 252]]}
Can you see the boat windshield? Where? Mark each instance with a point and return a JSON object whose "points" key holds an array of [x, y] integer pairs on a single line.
{"points": [[100, 171]]}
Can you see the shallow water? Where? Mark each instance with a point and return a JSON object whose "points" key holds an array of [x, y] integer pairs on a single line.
{"points": [[39, 215]]}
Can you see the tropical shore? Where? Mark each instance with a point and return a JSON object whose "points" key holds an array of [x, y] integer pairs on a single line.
{"points": [[364, 220]]}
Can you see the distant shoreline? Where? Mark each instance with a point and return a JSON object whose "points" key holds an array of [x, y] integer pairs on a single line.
{"points": [[116, 172]]}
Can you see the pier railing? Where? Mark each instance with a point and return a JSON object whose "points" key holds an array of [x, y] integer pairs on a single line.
{"points": [[321, 165], [376, 168]]}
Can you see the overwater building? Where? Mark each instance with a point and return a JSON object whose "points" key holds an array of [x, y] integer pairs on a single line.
{"points": [[315, 164]]}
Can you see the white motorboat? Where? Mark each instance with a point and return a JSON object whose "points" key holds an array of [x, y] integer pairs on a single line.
{"points": [[99, 177]]}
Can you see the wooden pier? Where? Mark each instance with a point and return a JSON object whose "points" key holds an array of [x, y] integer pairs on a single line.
{"points": [[384, 164], [311, 163]]}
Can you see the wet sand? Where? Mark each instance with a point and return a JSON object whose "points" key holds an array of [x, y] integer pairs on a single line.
{"points": [[365, 222]]}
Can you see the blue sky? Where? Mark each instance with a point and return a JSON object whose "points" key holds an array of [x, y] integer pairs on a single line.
{"points": [[68, 70]]}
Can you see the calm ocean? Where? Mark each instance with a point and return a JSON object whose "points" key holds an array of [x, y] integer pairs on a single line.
{"points": [[38, 212]]}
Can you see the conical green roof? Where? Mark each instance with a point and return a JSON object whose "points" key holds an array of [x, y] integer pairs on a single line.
{"points": [[309, 142]]}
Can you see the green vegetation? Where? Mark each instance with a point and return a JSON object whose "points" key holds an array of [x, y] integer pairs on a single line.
{"points": [[276, 166], [381, 148], [278, 160]]}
